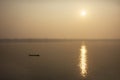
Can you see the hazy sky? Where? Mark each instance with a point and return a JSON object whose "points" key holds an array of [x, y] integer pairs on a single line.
{"points": [[60, 19]]}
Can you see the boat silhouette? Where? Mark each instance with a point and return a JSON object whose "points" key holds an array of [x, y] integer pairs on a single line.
{"points": [[34, 55]]}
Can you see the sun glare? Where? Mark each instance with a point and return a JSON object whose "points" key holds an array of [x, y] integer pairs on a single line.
{"points": [[83, 13], [83, 60]]}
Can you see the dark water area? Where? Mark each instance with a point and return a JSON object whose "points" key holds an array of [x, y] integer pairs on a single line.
{"points": [[59, 60]]}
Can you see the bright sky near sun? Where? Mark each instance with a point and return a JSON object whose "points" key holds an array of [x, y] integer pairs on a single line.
{"points": [[83, 19], [83, 13]]}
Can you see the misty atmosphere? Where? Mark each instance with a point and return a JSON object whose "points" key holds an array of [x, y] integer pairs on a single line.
{"points": [[59, 39], [59, 19]]}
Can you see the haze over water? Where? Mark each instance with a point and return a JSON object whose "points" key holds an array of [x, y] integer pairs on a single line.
{"points": [[60, 60], [53, 29]]}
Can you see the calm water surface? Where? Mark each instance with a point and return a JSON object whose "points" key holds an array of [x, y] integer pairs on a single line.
{"points": [[65, 60]]}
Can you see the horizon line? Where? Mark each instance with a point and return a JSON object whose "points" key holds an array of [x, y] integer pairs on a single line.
{"points": [[49, 39]]}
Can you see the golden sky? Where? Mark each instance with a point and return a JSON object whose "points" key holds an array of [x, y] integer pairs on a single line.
{"points": [[60, 19]]}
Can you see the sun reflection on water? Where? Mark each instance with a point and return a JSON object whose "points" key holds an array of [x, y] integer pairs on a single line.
{"points": [[83, 60]]}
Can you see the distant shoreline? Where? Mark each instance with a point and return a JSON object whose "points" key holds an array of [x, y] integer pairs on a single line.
{"points": [[54, 40]]}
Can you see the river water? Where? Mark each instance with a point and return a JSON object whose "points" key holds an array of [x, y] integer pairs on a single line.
{"points": [[63, 60]]}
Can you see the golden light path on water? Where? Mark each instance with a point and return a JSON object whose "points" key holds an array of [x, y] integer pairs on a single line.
{"points": [[83, 60]]}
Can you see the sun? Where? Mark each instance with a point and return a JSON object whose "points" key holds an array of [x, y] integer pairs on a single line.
{"points": [[83, 13]]}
